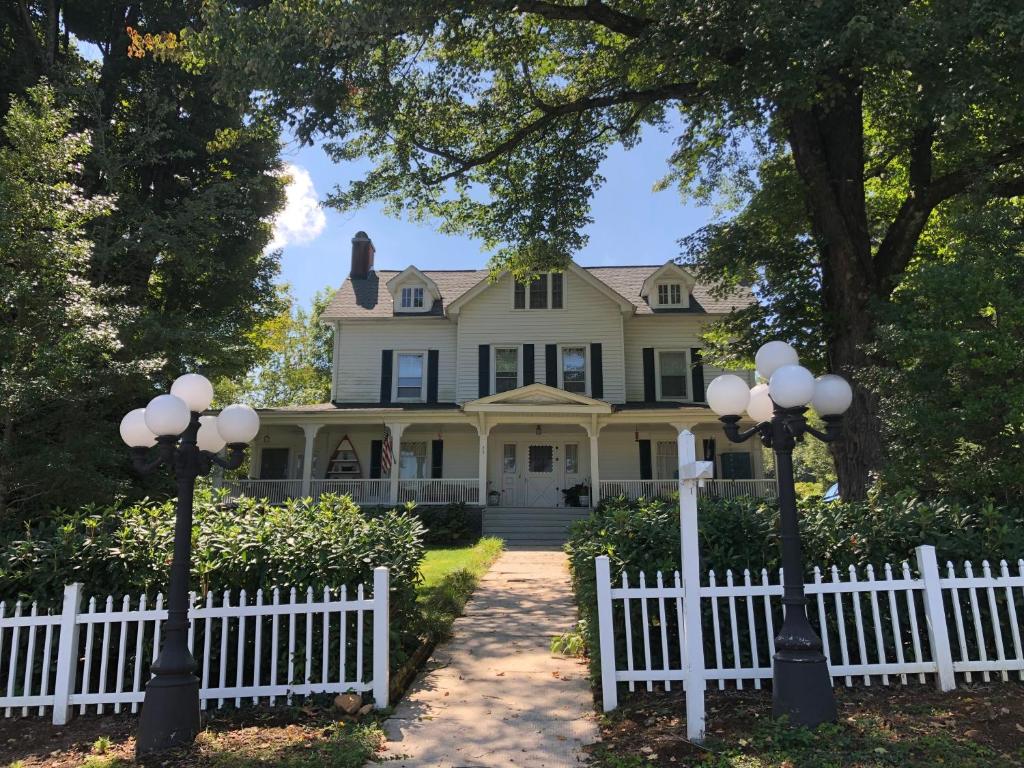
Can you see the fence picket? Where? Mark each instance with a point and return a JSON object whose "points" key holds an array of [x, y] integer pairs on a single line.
{"points": [[12, 665], [894, 618], [326, 646], [359, 637], [876, 619], [751, 627], [121, 648], [680, 622], [26, 686], [629, 632], [240, 653], [104, 654], [736, 657], [343, 650], [664, 632], [820, 600], [979, 633], [309, 635], [257, 659], [44, 683], [645, 623], [717, 628], [207, 640], [222, 676], [1011, 612], [841, 624], [291, 645], [273, 643], [997, 630], [912, 610], [87, 671]]}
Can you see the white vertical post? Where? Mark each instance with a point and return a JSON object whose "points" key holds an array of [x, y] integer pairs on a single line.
{"points": [[935, 615], [595, 465], [381, 609], [310, 431], [67, 653], [689, 474], [396, 454], [609, 692], [482, 430]]}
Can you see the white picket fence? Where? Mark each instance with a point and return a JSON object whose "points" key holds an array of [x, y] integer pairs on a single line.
{"points": [[883, 627], [274, 646]]}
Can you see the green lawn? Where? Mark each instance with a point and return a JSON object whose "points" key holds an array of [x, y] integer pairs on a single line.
{"points": [[450, 574]]}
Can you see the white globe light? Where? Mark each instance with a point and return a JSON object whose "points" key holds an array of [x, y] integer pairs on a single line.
{"points": [[728, 395], [761, 406], [195, 390], [791, 386], [167, 415], [238, 423], [772, 356], [832, 395], [208, 437], [134, 431]]}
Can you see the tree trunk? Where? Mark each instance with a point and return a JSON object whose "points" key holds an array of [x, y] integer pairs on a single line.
{"points": [[828, 151]]}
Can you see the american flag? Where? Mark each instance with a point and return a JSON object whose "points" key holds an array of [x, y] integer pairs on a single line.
{"points": [[385, 454]]}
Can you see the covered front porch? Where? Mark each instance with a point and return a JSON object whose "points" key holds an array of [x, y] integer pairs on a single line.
{"points": [[533, 447]]}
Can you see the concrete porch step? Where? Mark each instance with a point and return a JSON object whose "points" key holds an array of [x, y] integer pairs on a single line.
{"points": [[531, 526]]}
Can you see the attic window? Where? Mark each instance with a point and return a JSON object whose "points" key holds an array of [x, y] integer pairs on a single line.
{"points": [[543, 292], [670, 294], [412, 298]]}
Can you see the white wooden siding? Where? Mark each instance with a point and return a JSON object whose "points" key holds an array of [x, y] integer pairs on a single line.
{"points": [[357, 354], [664, 331], [589, 317]]}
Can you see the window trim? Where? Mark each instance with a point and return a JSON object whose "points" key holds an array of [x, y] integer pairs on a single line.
{"points": [[550, 294], [586, 364], [494, 365], [422, 353], [657, 375], [413, 287]]}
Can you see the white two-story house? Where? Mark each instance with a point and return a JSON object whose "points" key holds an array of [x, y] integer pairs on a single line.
{"points": [[453, 386]]}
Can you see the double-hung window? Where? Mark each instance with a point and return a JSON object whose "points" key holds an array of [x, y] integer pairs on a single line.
{"points": [[506, 369], [409, 382], [412, 463], [412, 298], [668, 460], [574, 369], [670, 294], [545, 291], [673, 374]]}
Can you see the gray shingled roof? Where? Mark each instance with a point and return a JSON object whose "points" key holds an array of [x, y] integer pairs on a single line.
{"points": [[369, 297]]}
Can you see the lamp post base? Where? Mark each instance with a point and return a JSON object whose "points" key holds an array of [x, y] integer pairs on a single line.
{"points": [[802, 689], [170, 714]]}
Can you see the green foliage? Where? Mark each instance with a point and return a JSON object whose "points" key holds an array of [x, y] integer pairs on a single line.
{"points": [[448, 525], [249, 545], [295, 368], [953, 393], [58, 341], [450, 577]]}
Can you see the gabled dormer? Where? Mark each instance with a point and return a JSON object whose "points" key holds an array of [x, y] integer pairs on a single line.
{"points": [[668, 288], [413, 292]]}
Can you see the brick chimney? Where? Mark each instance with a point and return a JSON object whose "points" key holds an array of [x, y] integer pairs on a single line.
{"points": [[362, 256]]}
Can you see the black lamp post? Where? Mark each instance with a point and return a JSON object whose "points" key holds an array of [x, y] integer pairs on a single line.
{"points": [[187, 443], [801, 686]]}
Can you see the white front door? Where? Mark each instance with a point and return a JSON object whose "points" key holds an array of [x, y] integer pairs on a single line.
{"points": [[511, 473], [543, 476]]}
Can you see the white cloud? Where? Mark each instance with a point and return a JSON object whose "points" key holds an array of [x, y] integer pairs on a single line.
{"points": [[302, 219]]}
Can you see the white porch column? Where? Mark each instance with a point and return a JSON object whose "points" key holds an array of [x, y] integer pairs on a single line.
{"points": [[396, 428], [310, 431], [593, 430], [483, 429]]}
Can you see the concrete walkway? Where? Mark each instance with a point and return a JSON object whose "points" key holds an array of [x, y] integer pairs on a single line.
{"points": [[494, 695]]}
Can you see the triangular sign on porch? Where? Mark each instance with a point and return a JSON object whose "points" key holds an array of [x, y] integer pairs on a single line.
{"points": [[344, 463]]}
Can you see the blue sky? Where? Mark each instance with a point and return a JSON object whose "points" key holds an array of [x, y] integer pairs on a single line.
{"points": [[632, 223]]}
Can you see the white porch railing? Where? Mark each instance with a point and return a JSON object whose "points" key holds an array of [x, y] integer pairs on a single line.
{"points": [[99, 658], [659, 489], [274, 491], [362, 491], [440, 491]]}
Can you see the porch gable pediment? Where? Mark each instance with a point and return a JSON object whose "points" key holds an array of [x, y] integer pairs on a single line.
{"points": [[533, 395]]}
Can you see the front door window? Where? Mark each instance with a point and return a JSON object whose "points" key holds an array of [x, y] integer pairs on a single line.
{"points": [[542, 459], [274, 464]]}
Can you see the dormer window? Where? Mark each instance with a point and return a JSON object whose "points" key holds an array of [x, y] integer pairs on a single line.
{"points": [[670, 294], [412, 298], [544, 292]]}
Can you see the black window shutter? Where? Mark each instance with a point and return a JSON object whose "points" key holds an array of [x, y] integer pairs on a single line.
{"points": [[432, 361], [645, 460], [529, 359], [436, 458], [596, 372], [484, 371], [376, 448], [697, 374], [650, 392], [551, 365], [386, 357]]}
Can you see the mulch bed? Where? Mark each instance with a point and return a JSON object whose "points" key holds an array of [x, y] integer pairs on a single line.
{"points": [[977, 725]]}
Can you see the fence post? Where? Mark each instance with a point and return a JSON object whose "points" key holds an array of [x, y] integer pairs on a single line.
{"points": [[690, 473], [935, 615], [67, 653], [609, 691], [381, 628]]}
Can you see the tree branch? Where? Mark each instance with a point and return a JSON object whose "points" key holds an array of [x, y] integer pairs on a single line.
{"points": [[551, 114], [592, 10]]}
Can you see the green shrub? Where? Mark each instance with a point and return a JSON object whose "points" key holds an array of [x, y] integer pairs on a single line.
{"points": [[245, 545], [452, 525]]}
